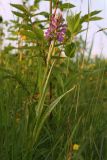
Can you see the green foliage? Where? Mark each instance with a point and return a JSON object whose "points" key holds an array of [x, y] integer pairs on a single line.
{"points": [[80, 116], [18, 14], [91, 16], [76, 21], [45, 14], [50, 103], [74, 24], [20, 7], [66, 6], [70, 50]]}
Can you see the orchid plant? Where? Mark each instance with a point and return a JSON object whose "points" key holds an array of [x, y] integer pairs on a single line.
{"points": [[49, 43]]}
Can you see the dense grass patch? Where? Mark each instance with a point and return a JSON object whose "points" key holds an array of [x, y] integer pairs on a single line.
{"points": [[79, 118]]}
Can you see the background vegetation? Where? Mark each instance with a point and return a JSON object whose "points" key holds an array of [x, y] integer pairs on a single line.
{"points": [[51, 107]]}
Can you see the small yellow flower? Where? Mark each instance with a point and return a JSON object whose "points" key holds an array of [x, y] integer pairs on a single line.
{"points": [[76, 147], [23, 37]]}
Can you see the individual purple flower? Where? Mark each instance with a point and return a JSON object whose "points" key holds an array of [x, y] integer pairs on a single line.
{"points": [[57, 28], [47, 33], [60, 37]]}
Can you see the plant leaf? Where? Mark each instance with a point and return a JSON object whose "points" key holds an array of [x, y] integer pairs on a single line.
{"points": [[20, 7], [45, 14], [70, 49], [87, 17], [29, 34], [18, 14], [67, 6], [42, 119]]}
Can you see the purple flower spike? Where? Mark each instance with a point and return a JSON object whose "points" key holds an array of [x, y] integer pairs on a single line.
{"points": [[56, 28]]}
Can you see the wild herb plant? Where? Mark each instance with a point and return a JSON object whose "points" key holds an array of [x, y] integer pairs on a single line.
{"points": [[50, 107]]}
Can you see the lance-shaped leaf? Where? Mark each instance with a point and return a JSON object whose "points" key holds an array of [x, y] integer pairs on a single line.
{"points": [[18, 14], [66, 6], [43, 118], [96, 18], [19, 7], [90, 16], [74, 23], [45, 14]]}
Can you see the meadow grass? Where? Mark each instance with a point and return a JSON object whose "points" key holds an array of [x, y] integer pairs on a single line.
{"points": [[52, 107], [77, 118]]}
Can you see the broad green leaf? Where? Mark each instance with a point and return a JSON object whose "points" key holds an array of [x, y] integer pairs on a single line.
{"points": [[68, 33], [18, 14], [66, 6], [39, 33], [77, 24], [95, 18], [87, 17], [70, 23], [20, 7], [70, 49], [93, 13], [74, 24]]}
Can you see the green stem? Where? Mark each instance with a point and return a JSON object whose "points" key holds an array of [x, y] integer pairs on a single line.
{"points": [[51, 50], [56, 6], [50, 8]]}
